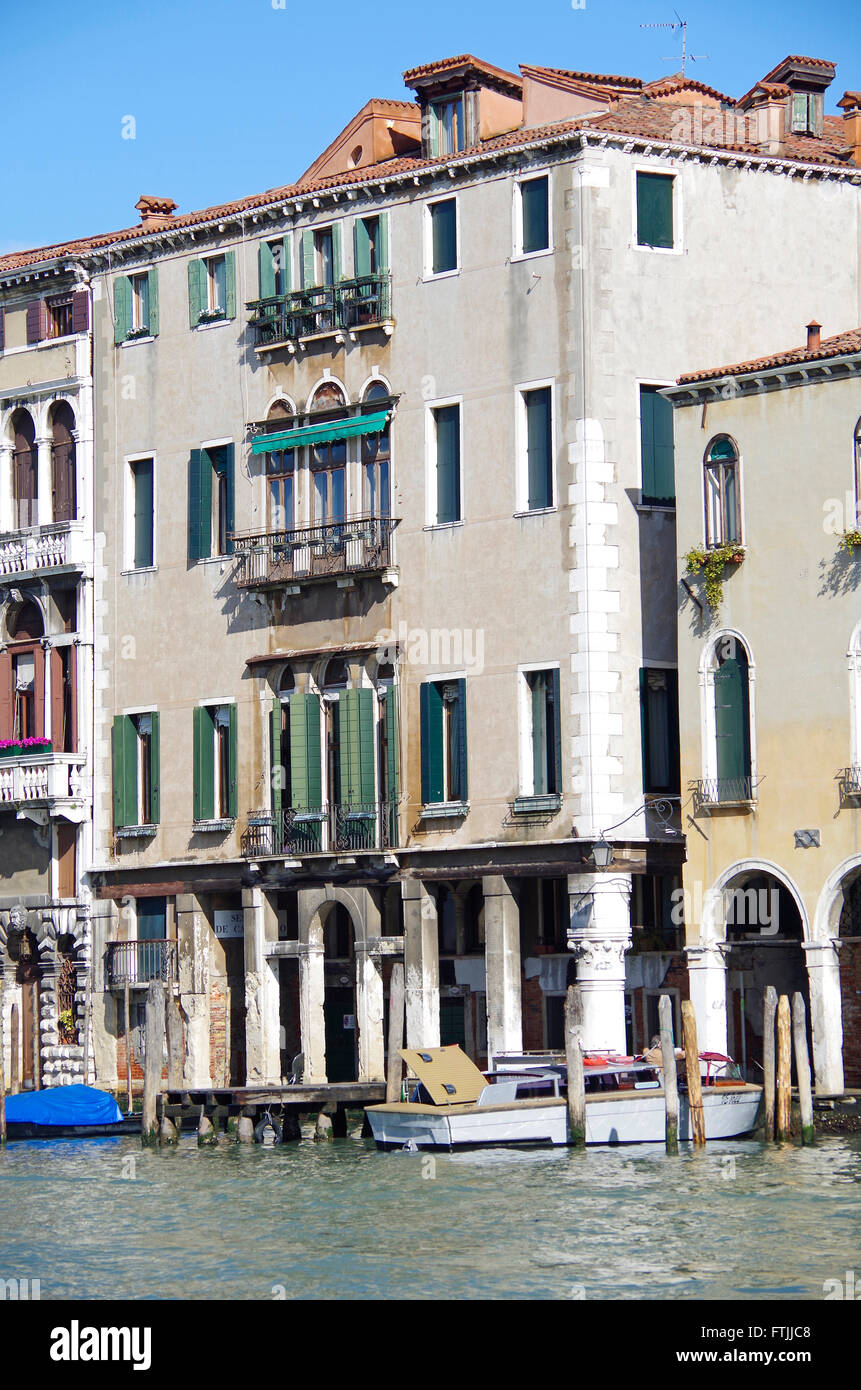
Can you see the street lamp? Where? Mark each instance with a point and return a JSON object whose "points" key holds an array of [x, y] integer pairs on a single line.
{"points": [[602, 853]]}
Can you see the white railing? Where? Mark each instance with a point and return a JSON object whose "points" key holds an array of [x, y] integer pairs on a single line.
{"points": [[44, 777], [42, 548]]}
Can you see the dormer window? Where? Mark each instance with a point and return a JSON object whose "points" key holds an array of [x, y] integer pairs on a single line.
{"points": [[806, 111], [447, 126]]}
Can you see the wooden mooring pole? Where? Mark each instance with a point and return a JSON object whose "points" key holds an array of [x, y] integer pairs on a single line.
{"points": [[14, 1048], [152, 1062], [395, 1065], [173, 1023], [128, 1028], [692, 1069], [784, 1066], [769, 1009], [88, 1006], [668, 1063], [2, 1084], [574, 1065], [802, 1066]]}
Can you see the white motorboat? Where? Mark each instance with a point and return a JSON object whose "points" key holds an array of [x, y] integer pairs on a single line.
{"points": [[451, 1104]]}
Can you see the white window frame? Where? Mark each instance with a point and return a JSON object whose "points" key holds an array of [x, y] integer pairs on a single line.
{"points": [[431, 523], [206, 262], [518, 253], [521, 441], [678, 246], [129, 566], [524, 723], [708, 714], [713, 544], [428, 238], [205, 448], [137, 318]]}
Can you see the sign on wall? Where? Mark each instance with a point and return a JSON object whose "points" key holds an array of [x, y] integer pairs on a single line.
{"points": [[229, 925]]}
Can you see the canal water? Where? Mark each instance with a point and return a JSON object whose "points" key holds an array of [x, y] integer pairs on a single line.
{"points": [[105, 1219]]}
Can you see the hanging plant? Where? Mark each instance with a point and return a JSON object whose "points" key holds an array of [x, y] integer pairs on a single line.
{"points": [[849, 540], [713, 563]]}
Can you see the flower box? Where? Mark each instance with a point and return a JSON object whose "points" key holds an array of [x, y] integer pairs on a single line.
{"points": [[9, 749]]}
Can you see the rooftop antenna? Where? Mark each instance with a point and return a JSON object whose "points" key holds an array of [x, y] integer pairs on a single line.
{"points": [[686, 57]]}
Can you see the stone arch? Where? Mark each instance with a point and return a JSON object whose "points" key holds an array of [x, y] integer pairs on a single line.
{"points": [[829, 906], [746, 868]]}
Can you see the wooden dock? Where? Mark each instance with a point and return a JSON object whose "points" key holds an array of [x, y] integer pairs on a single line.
{"points": [[221, 1105]]}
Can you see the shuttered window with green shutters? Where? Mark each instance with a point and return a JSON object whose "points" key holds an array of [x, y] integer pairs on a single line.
{"points": [[391, 763], [539, 448], [657, 447], [659, 727], [443, 216], [136, 759], [211, 479], [732, 721], [306, 789], [443, 741], [655, 210], [274, 263], [535, 215], [143, 555], [122, 308], [215, 762], [357, 750], [212, 289], [447, 443]]}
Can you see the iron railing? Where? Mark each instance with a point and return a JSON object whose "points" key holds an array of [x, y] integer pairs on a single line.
{"points": [[299, 830], [140, 963], [719, 791], [351, 304], [270, 558], [850, 781]]}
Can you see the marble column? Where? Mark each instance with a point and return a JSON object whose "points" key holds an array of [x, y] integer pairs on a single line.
{"points": [[826, 1014], [421, 965], [599, 934], [502, 961], [707, 978], [262, 996]]}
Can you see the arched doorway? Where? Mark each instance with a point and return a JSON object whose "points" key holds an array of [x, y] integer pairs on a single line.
{"points": [[764, 932], [339, 1004], [850, 979]]}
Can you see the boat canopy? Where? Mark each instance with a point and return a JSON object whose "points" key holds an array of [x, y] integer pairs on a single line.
{"points": [[63, 1105], [447, 1074]]}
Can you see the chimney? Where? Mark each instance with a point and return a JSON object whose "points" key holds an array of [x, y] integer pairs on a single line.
{"points": [[766, 104], [155, 212], [813, 331], [851, 105]]}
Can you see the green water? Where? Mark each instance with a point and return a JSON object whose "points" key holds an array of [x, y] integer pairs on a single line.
{"points": [[106, 1219]]}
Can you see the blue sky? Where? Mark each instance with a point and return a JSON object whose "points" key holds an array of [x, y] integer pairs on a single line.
{"points": [[230, 97]]}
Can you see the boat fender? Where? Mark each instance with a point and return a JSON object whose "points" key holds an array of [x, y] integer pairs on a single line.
{"points": [[268, 1131]]}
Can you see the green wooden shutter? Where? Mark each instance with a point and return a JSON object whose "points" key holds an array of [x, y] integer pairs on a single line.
{"points": [[430, 702], [125, 771], [644, 729], [665, 481], [392, 744], [287, 264], [306, 789], [554, 718], [383, 244], [122, 308], [731, 721], [647, 441], [144, 519], [444, 226], [230, 284], [361, 247], [535, 213], [152, 283], [463, 789], [155, 771], [267, 270], [539, 449], [199, 505], [225, 468], [275, 766], [655, 210], [673, 731], [447, 464], [356, 709], [204, 764], [540, 733], [308, 269], [337, 254], [233, 753], [196, 292]]}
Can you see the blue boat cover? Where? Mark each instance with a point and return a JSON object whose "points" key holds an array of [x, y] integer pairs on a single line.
{"points": [[63, 1105]]}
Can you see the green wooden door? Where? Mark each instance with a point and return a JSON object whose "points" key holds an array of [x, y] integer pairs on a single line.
{"points": [[339, 1009], [732, 729]]}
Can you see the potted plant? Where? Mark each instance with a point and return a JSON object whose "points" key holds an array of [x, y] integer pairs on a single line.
{"points": [[849, 541], [10, 748], [36, 746], [713, 562], [66, 1029]]}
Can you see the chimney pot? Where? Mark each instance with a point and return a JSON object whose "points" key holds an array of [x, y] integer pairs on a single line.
{"points": [[813, 332]]}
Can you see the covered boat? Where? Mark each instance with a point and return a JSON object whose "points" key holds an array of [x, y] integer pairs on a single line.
{"points": [[452, 1104], [66, 1112]]}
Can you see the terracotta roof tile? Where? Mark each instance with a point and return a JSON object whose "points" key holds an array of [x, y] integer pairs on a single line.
{"points": [[840, 345], [463, 60], [593, 79], [797, 58], [665, 86]]}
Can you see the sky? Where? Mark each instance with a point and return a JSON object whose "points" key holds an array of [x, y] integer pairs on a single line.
{"points": [[230, 97]]}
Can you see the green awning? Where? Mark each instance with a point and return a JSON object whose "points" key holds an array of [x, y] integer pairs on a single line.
{"points": [[321, 434]]}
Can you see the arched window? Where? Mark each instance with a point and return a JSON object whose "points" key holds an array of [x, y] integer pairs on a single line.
{"points": [[328, 461], [376, 459], [732, 740], [25, 476], [63, 484], [722, 492], [22, 676], [280, 477]]}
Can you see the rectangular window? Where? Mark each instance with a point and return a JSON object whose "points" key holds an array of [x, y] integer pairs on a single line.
{"points": [[376, 455], [447, 127], [143, 541], [59, 316], [24, 691], [655, 210], [443, 741], [534, 222], [136, 769], [211, 289], [274, 266], [656, 447], [536, 481], [136, 306], [279, 477], [659, 718], [445, 474], [211, 502], [215, 762], [367, 239], [542, 745], [443, 237], [216, 284], [140, 302]]}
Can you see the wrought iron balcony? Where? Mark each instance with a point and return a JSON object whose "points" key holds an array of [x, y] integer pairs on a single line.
{"points": [[300, 830], [850, 782], [38, 548], [327, 309], [724, 791], [268, 559], [139, 963]]}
